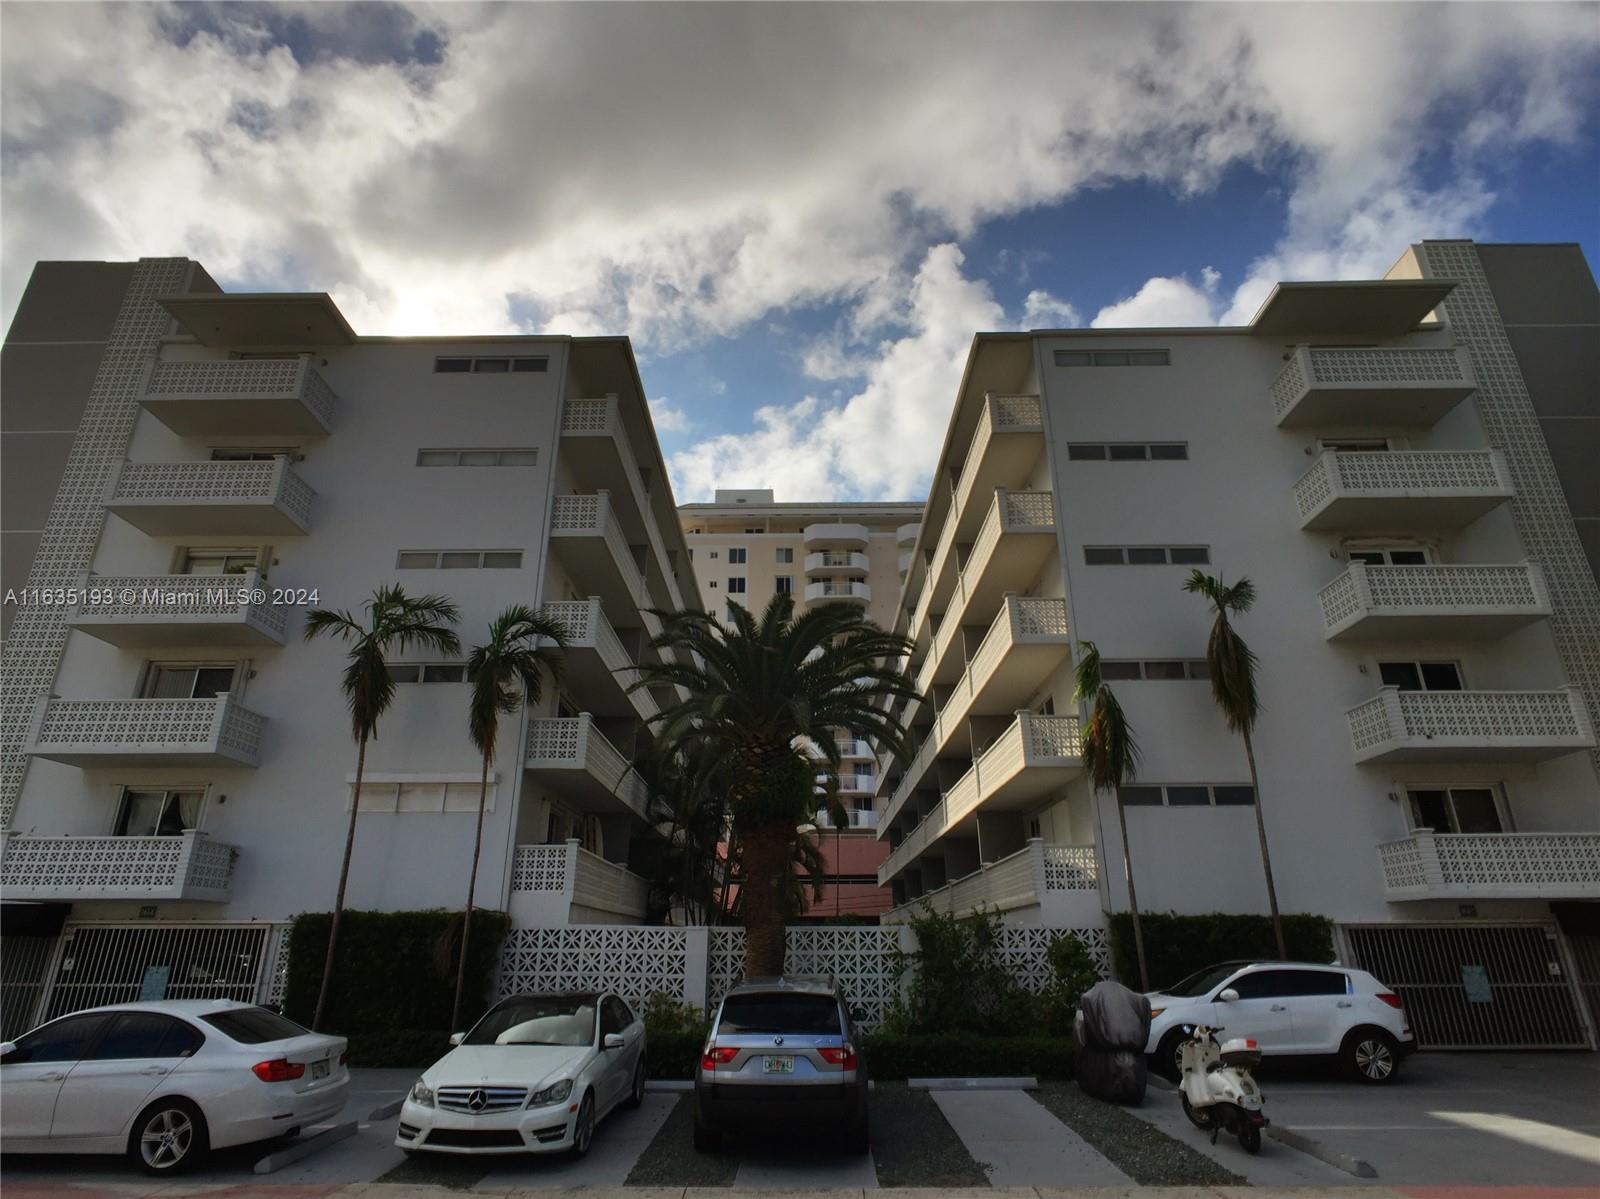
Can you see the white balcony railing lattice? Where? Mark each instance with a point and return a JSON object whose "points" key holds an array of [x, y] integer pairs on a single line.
{"points": [[286, 378], [1400, 473], [1444, 865], [1332, 366], [190, 866]]}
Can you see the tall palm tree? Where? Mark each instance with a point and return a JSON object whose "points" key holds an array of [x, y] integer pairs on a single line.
{"points": [[686, 808], [1111, 756], [1233, 684], [758, 689], [395, 622], [506, 672]]}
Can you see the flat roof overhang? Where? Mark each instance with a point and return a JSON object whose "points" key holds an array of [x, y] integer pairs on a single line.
{"points": [[1366, 307], [232, 319]]}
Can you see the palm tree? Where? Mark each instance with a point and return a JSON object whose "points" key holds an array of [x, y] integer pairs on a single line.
{"points": [[1233, 684], [395, 622], [506, 672], [685, 806], [758, 689], [1111, 756]]}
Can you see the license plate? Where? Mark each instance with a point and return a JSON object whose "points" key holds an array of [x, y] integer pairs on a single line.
{"points": [[777, 1065], [321, 1069]]}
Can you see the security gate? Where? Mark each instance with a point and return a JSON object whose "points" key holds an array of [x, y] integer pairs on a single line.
{"points": [[24, 961], [1586, 957], [109, 963], [1476, 986]]}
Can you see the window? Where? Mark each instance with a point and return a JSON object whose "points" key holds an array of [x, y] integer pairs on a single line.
{"points": [[713, 554], [1315, 982], [1146, 555], [217, 561], [784, 584], [1456, 810], [752, 530], [1364, 445], [1187, 795], [428, 672], [458, 560], [1389, 555], [736, 555], [1119, 670], [489, 366], [136, 1035], [254, 1025], [62, 1041], [1265, 984], [1117, 451], [712, 583], [184, 680], [1113, 358], [785, 556], [152, 812], [736, 585], [522, 457], [1159, 668], [614, 1016], [423, 795], [1421, 676], [247, 454]]}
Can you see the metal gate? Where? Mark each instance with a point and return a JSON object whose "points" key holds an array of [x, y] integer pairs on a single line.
{"points": [[24, 963], [1586, 958], [1476, 986], [113, 963]]}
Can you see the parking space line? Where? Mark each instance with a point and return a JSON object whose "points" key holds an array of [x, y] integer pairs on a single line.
{"points": [[1022, 1143]]}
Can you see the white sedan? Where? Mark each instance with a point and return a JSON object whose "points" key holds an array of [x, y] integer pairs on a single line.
{"points": [[535, 1075], [164, 1082]]}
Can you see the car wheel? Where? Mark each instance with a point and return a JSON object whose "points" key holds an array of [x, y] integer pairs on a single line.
{"points": [[1169, 1056], [583, 1134], [636, 1092], [169, 1137], [1371, 1056], [706, 1140], [1200, 1119]]}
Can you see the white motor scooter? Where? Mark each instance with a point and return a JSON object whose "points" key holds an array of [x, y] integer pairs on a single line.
{"points": [[1217, 1090]]}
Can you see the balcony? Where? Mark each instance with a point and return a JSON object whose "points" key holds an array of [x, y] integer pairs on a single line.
{"points": [[906, 535], [587, 537], [1411, 490], [570, 754], [70, 869], [903, 564], [863, 783], [1429, 865], [834, 591], [1422, 603], [1469, 726], [858, 819], [566, 884], [1005, 445], [212, 499], [597, 670], [836, 562], [855, 749], [1017, 534], [95, 733], [836, 535], [157, 611], [267, 397], [1063, 880], [1350, 388]]}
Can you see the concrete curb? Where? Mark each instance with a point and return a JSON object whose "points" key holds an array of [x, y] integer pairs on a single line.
{"points": [[972, 1084], [1316, 1149], [669, 1084], [305, 1147], [386, 1112]]}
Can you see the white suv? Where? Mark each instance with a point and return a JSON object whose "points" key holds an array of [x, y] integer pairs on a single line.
{"points": [[1290, 1008]]}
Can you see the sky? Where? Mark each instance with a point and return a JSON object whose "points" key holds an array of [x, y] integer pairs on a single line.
{"points": [[800, 214]]}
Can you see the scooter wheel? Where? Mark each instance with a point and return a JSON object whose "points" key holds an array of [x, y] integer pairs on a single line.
{"points": [[1201, 1119], [1250, 1138]]}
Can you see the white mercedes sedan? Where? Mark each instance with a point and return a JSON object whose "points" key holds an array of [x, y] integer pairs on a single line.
{"points": [[535, 1075], [166, 1081]]}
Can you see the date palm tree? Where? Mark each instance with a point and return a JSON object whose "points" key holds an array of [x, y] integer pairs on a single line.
{"points": [[1111, 757], [506, 672], [758, 689], [395, 622], [1233, 684]]}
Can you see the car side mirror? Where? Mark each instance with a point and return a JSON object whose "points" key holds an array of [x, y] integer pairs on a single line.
{"points": [[613, 1040], [457, 1037], [1227, 995]]}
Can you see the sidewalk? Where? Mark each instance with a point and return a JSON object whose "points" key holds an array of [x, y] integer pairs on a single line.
{"points": [[375, 1190]]}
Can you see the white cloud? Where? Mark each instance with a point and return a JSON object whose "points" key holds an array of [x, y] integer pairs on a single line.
{"points": [[1041, 310], [1163, 301], [667, 417]]}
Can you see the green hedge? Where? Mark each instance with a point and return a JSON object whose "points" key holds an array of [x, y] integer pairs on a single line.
{"points": [[1176, 946], [673, 1054], [394, 979]]}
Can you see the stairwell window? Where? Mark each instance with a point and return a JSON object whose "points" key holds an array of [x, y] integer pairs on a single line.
{"points": [[490, 366], [1187, 795], [1120, 451], [1113, 358], [1421, 676], [462, 457], [428, 672], [1161, 669], [458, 560], [1146, 555]]}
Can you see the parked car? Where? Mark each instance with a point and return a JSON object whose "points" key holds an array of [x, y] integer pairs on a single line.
{"points": [[1289, 1009], [165, 1082], [782, 1054], [535, 1075]]}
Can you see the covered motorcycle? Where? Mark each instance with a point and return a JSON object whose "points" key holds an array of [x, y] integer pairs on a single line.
{"points": [[1111, 1028]]}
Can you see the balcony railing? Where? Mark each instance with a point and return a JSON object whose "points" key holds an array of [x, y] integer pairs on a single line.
{"points": [[1469, 726], [1017, 534], [1014, 419], [590, 518], [1062, 879], [836, 533], [158, 610], [69, 869], [1416, 489], [1429, 865], [867, 819], [549, 881], [1332, 386], [559, 745], [1411, 602], [906, 535], [174, 499], [837, 562], [596, 659], [829, 590], [254, 397], [147, 732]]}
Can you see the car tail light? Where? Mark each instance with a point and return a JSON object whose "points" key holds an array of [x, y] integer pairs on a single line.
{"points": [[845, 1056], [279, 1069], [1391, 999], [712, 1058], [344, 1058]]}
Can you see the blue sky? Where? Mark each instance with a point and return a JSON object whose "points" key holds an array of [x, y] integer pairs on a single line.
{"points": [[800, 214]]}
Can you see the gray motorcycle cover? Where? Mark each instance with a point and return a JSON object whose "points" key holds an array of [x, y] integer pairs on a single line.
{"points": [[1111, 1028]]}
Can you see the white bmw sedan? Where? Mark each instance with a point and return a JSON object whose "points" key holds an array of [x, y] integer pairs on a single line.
{"points": [[535, 1075], [165, 1082]]}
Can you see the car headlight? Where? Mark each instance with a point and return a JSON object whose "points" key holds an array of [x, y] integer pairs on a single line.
{"points": [[556, 1092], [422, 1094]]}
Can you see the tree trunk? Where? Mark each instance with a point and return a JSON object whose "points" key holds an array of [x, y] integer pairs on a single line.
{"points": [[344, 878], [1266, 857], [766, 867], [472, 886], [725, 896], [1133, 896]]}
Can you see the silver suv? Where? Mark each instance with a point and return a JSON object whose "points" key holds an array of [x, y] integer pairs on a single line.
{"points": [[782, 1053]]}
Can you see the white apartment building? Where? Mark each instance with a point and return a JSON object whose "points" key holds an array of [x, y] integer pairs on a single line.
{"points": [[177, 758], [1399, 470]]}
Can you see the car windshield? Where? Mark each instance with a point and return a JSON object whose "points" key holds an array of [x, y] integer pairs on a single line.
{"points": [[817, 1015], [1201, 981], [538, 1020]]}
